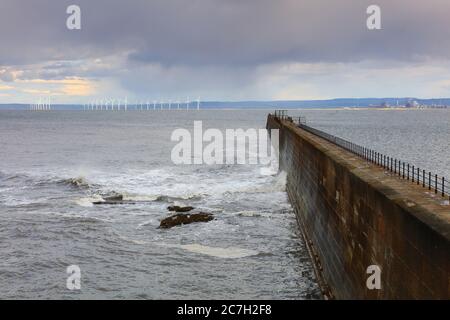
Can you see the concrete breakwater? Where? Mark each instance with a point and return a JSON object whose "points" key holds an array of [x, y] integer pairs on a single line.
{"points": [[355, 214]]}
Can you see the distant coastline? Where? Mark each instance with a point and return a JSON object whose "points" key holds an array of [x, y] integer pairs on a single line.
{"points": [[343, 103]]}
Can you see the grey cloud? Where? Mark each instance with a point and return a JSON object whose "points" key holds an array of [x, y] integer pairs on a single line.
{"points": [[217, 48], [221, 32]]}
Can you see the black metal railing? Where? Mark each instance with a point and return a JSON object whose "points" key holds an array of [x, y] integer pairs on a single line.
{"points": [[281, 114], [397, 167]]}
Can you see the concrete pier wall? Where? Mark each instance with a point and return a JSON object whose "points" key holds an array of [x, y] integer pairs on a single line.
{"points": [[354, 215]]}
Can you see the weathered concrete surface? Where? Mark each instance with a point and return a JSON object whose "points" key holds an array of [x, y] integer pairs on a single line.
{"points": [[355, 215]]}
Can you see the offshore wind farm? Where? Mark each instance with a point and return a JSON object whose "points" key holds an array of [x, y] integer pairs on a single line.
{"points": [[143, 104], [105, 104]]}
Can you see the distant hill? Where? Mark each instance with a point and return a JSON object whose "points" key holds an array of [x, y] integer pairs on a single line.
{"points": [[288, 104], [332, 103]]}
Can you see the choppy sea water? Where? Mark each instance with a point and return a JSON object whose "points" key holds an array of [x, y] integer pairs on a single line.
{"points": [[53, 165], [420, 137]]}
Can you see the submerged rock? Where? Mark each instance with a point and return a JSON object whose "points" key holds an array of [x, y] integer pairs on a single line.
{"points": [[113, 200], [180, 209], [185, 218]]}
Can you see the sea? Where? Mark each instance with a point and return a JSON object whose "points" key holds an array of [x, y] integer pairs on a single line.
{"points": [[55, 164]]}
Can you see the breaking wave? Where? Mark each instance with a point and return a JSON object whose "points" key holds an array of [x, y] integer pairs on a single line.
{"points": [[88, 201], [79, 182]]}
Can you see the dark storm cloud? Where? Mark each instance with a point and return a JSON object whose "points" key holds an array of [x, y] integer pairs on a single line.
{"points": [[221, 32]]}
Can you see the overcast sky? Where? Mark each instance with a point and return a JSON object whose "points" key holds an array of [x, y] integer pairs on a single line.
{"points": [[223, 50]]}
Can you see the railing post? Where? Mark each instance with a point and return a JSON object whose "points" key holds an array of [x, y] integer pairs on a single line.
{"points": [[413, 174], [429, 180], [435, 183], [423, 176], [443, 183]]}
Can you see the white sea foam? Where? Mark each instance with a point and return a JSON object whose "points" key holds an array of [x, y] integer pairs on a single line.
{"points": [[249, 213], [218, 252], [268, 171], [278, 184], [88, 201], [146, 223], [167, 185], [224, 253]]}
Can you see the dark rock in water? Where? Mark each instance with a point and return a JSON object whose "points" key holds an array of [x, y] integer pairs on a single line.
{"points": [[185, 218], [113, 202], [180, 209], [162, 199], [114, 198]]}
